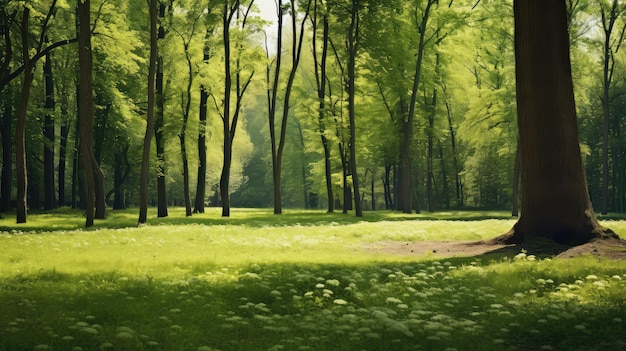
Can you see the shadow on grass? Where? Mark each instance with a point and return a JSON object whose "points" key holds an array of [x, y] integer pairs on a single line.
{"points": [[481, 303], [64, 219]]}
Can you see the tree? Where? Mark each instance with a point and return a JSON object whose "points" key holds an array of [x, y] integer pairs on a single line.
{"points": [[145, 162], [48, 131], [555, 200], [320, 80], [278, 144], [28, 70], [94, 179], [609, 19], [230, 12], [186, 39], [159, 122]]}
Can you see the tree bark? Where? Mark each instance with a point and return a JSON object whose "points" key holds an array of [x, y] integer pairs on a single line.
{"points": [[227, 16], [159, 124], [94, 180], [20, 126], [145, 163], [555, 201], [183, 132], [202, 156], [353, 42]]}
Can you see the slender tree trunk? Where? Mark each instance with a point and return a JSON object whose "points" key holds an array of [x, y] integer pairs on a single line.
{"points": [[76, 162], [65, 129], [227, 16], [353, 41], [48, 132], [444, 177], [429, 163], [202, 156], [320, 77], [20, 126], [145, 164], [406, 187], [611, 46], [7, 152], [159, 121], [555, 201], [183, 134], [455, 159]]}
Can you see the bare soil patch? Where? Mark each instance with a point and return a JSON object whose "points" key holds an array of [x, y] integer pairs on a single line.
{"points": [[605, 248]]}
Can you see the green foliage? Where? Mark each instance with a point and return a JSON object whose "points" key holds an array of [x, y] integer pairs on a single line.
{"points": [[251, 282]]}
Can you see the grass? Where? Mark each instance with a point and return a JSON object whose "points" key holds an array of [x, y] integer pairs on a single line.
{"points": [[296, 282]]}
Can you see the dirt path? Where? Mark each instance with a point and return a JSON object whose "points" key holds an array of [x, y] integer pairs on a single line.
{"points": [[611, 249]]}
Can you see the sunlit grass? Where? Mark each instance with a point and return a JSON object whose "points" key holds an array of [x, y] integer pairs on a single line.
{"points": [[300, 281]]}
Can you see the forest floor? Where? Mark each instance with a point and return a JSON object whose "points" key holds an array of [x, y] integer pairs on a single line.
{"points": [[605, 248]]}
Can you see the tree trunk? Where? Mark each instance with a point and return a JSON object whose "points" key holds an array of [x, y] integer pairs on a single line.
{"points": [[429, 163], [159, 122], [406, 187], [20, 126], [353, 41], [48, 132], [202, 157], [65, 129], [76, 162], [145, 163], [227, 16], [7, 152], [555, 201], [611, 46], [186, 101], [94, 188], [455, 159], [320, 77]]}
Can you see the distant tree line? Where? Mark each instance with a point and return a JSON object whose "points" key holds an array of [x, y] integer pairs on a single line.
{"points": [[337, 105]]}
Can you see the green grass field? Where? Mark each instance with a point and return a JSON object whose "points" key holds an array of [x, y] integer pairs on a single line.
{"points": [[300, 281]]}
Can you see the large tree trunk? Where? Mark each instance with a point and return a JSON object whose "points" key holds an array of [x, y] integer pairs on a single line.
{"points": [[93, 175], [48, 132], [555, 201], [147, 141]]}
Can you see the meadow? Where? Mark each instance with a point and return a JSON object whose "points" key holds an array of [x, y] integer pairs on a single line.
{"points": [[300, 281]]}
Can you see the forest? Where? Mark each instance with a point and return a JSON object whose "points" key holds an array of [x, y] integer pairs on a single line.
{"points": [[333, 105]]}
